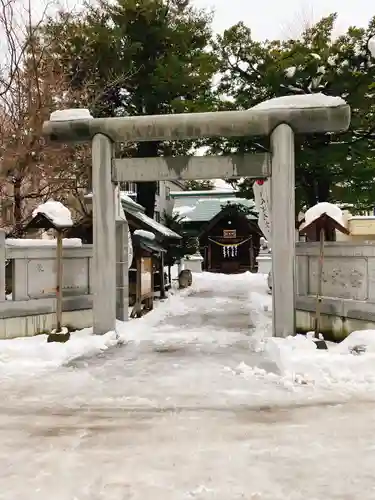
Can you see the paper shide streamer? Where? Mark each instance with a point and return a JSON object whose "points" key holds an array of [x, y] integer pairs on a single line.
{"points": [[230, 251]]}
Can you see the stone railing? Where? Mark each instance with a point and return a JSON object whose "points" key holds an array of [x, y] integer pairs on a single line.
{"points": [[348, 288], [28, 284]]}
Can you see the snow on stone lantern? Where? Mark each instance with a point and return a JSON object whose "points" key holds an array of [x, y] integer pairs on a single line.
{"points": [[54, 215]]}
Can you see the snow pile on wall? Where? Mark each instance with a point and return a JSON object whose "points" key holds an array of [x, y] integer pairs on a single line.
{"points": [[67, 242]]}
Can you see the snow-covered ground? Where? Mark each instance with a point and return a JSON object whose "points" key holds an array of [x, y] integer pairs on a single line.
{"points": [[196, 401]]}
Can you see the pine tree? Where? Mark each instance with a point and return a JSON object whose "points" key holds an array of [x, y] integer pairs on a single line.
{"points": [[138, 57], [329, 167]]}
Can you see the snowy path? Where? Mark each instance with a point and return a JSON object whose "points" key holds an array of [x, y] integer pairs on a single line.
{"points": [[189, 408]]}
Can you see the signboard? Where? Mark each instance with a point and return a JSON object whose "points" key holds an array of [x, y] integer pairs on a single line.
{"points": [[130, 250], [146, 274], [229, 233], [41, 277], [262, 198]]}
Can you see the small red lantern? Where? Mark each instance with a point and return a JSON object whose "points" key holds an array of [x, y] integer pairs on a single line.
{"points": [[260, 182]]}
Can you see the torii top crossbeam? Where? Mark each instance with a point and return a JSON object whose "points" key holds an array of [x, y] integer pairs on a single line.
{"points": [[252, 122]]}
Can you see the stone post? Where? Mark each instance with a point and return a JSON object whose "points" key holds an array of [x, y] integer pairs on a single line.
{"points": [[104, 237], [283, 231]]}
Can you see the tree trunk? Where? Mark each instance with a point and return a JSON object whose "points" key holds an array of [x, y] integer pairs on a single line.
{"points": [[310, 195], [146, 191], [317, 192], [323, 189], [17, 208]]}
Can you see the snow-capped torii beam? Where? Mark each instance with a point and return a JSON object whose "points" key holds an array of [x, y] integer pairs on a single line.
{"points": [[257, 121], [279, 118]]}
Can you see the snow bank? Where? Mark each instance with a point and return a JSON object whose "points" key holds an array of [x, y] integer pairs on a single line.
{"points": [[67, 242], [270, 370], [345, 369], [144, 234], [56, 212], [359, 338], [63, 115], [301, 101], [31, 356], [333, 211]]}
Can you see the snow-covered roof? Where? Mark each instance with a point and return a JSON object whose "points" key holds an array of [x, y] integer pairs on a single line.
{"points": [[153, 224], [125, 198], [324, 208], [202, 209], [144, 234], [213, 193], [137, 211], [318, 100], [57, 213]]}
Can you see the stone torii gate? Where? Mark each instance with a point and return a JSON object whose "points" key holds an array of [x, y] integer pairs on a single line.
{"points": [[279, 123]]}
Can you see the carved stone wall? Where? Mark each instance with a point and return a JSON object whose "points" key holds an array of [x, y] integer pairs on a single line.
{"points": [[344, 277], [348, 287]]}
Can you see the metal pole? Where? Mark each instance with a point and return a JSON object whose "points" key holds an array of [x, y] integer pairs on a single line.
{"points": [[320, 283], [283, 231], [104, 237], [122, 290], [59, 281]]}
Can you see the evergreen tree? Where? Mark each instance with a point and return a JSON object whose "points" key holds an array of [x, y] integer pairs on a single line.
{"points": [[207, 185], [138, 57], [329, 167]]}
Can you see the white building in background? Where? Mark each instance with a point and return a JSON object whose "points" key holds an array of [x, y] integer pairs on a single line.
{"points": [[130, 189], [163, 201]]}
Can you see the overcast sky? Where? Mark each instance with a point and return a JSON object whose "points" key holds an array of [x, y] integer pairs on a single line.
{"points": [[283, 18]]}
